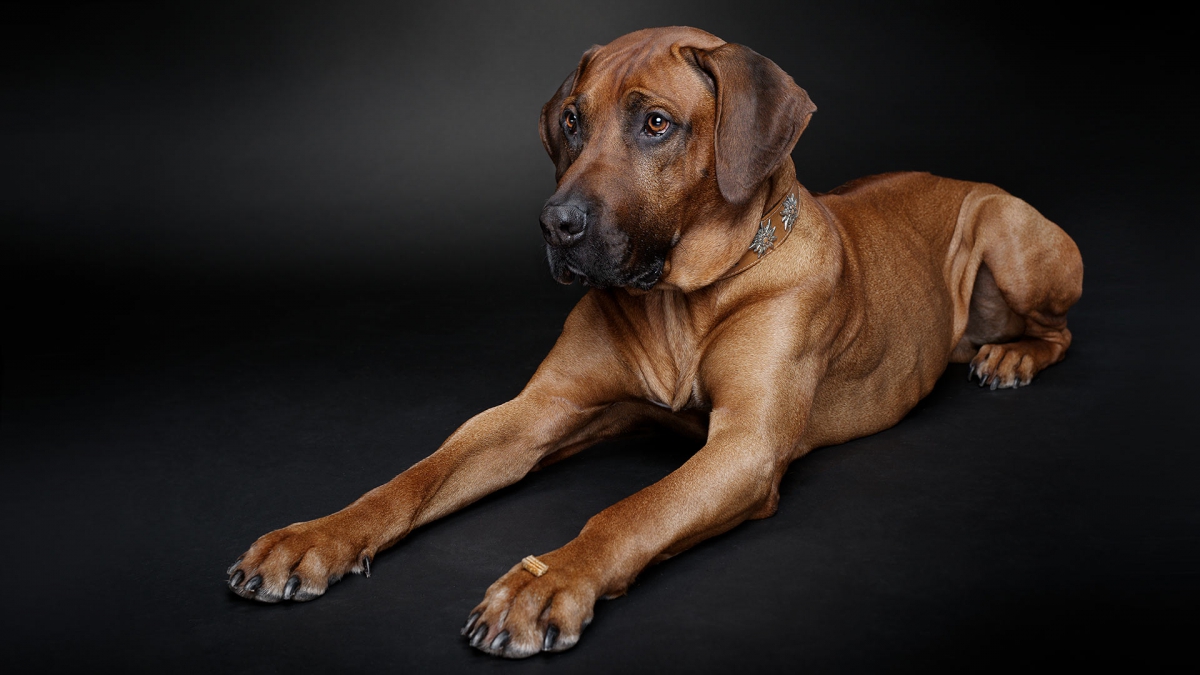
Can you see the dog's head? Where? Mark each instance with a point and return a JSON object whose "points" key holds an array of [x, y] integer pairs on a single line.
{"points": [[660, 136]]}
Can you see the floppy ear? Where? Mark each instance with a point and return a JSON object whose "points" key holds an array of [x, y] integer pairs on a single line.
{"points": [[760, 115], [549, 125]]}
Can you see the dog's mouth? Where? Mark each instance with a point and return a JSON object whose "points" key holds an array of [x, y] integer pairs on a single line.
{"points": [[647, 278], [641, 277]]}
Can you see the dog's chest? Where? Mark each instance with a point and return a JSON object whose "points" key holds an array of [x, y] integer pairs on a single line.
{"points": [[667, 348]]}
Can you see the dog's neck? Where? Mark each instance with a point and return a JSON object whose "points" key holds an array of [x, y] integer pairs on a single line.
{"points": [[773, 228], [727, 239]]}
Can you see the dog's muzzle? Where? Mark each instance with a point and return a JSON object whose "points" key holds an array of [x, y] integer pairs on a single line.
{"points": [[582, 245]]}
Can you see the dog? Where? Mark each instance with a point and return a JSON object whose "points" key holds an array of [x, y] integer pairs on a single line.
{"points": [[728, 303]]}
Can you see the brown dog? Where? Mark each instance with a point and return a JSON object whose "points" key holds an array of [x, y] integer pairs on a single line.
{"points": [[729, 303]]}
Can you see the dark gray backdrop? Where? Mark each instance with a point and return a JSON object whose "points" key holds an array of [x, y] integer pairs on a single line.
{"points": [[395, 137], [259, 258]]}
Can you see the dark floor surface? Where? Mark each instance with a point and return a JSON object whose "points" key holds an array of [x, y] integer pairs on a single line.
{"points": [[151, 435]]}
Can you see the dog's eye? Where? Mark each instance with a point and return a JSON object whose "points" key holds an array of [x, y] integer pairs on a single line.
{"points": [[570, 121], [656, 124]]}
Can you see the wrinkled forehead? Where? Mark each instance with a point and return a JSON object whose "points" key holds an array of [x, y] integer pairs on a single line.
{"points": [[646, 68]]}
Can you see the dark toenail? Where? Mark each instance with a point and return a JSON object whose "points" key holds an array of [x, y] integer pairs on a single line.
{"points": [[366, 565], [236, 579], [234, 566], [479, 633], [551, 636], [470, 622], [254, 583], [501, 640], [289, 590]]}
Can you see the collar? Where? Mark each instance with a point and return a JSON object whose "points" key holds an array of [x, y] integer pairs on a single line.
{"points": [[769, 237]]}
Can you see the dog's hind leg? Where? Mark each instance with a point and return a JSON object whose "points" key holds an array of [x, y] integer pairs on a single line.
{"points": [[1029, 274]]}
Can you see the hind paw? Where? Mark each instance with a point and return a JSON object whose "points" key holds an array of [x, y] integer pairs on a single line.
{"points": [[1004, 366]]}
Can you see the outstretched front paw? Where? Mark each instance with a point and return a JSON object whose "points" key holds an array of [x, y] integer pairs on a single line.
{"points": [[523, 614], [298, 562]]}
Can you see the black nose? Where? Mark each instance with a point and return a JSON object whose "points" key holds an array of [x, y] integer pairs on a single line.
{"points": [[563, 225]]}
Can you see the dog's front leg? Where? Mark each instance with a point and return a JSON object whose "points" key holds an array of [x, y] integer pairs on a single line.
{"points": [[564, 407], [734, 477]]}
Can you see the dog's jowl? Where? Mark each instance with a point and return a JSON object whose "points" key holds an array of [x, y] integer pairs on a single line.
{"points": [[727, 302]]}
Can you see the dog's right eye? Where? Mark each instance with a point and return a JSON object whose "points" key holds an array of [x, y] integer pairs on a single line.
{"points": [[570, 121], [656, 124]]}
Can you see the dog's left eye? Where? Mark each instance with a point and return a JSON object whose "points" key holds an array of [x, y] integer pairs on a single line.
{"points": [[656, 124]]}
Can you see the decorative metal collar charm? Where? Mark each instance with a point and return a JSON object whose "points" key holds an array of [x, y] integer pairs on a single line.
{"points": [[764, 240], [767, 238], [788, 214]]}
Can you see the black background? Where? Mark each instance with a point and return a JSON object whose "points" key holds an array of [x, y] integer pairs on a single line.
{"points": [[258, 259]]}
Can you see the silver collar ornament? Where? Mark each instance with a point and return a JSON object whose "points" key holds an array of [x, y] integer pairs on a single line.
{"points": [[788, 214], [768, 238], [764, 239]]}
